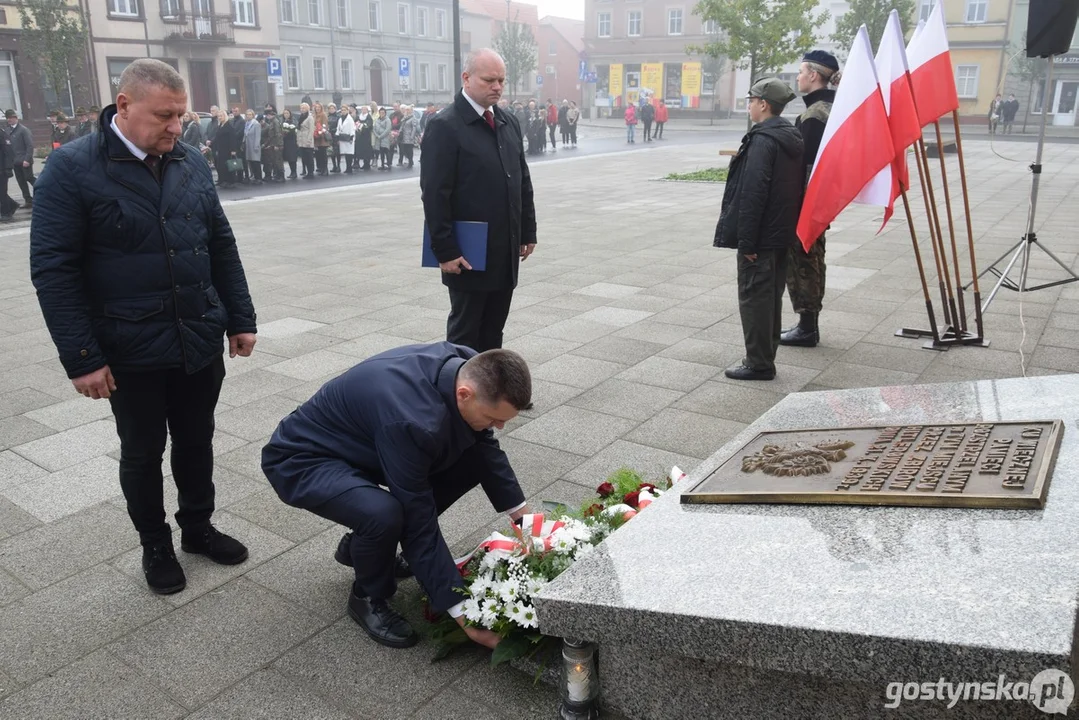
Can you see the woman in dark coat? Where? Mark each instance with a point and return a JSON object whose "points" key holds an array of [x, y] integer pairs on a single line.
{"points": [[364, 150], [291, 152]]}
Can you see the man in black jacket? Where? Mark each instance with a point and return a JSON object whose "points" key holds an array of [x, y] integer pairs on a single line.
{"points": [[22, 147], [474, 169], [138, 277], [760, 217], [7, 164]]}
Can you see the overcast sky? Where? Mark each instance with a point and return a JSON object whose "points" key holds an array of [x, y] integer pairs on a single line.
{"points": [[561, 8]]}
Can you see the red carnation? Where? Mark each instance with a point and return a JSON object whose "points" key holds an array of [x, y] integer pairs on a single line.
{"points": [[647, 486], [632, 498], [430, 614], [593, 509], [605, 490]]}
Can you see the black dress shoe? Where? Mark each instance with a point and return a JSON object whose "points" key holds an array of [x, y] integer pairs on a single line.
{"points": [[214, 544], [401, 568], [163, 572], [381, 622], [741, 372]]}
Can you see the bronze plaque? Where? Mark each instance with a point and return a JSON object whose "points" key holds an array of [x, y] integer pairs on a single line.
{"points": [[978, 465]]}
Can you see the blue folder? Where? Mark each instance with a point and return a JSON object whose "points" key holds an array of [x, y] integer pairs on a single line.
{"points": [[471, 237]]}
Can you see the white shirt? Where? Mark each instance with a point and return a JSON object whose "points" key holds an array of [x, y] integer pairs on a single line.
{"points": [[140, 154], [477, 107]]}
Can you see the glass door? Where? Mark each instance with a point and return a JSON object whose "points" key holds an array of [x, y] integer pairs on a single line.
{"points": [[1065, 102]]}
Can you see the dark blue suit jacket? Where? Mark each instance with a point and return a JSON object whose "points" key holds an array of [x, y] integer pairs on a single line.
{"points": [[393, 419]]}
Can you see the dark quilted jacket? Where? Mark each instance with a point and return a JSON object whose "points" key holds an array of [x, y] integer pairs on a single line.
{"points": [[130, 272]]}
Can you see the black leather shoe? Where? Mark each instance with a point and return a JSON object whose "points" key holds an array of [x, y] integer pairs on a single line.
{"points": [[163, 572], [741, 372], [214, 544], [401, 568], [804, 334], [381, 622]]}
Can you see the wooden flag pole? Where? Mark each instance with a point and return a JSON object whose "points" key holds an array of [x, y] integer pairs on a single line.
{"points": [[934, 228], [970, 229], [959, 321], [921, 269]]}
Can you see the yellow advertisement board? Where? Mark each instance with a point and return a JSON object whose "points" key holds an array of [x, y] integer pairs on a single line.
{"points": [[652, 77], [691, 84], [616, 83]]}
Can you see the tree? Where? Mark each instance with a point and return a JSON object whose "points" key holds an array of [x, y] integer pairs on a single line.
{"points": [[874, 15], [54, 37], [1031, 71], [517, 47]]}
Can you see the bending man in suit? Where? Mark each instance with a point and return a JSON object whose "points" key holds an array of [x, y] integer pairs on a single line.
{"points": [[474, 169], [416, 421]]}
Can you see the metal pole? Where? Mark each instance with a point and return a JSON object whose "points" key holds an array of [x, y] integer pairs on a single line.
{"points": [[456, 45]]}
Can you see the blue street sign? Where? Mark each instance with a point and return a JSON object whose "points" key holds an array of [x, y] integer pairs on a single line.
{"points": [[273, 67], [539, 81], [591, 77], [402, 67], [582, 70]]}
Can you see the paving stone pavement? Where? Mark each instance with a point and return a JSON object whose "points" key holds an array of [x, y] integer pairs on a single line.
{"points": [[628, 317]]}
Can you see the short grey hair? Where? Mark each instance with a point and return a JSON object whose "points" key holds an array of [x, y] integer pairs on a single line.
{"points": [[145, 73], [473, 58]]}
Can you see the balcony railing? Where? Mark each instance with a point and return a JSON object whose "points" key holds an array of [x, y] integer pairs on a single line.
{"points": [[201, 29]]}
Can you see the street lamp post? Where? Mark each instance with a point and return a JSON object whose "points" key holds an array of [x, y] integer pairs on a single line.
{"points": [[457, 45]]}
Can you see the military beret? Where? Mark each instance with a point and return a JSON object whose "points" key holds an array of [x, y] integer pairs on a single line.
{"points": [[820, 57], [773, 90]]}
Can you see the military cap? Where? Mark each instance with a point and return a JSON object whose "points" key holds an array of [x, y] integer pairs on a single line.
{"points": [[773, 90], [80, 110], [60, 117], [10, 114], [822, 58], [94, 109]]}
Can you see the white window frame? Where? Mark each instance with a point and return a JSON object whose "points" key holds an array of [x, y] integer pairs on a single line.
{"points": [[423, 21], [962, 79], [552, 47], [681, 21], [925, 9], [343, 20], [169, 9], [600, 19], [632, 15], [290, 5], [403, 12], [319, 85], [440, 23], [710, 27], [250, 6], [124, 8], [289, 69], [314, 12], [443, 73], [346, 72], [374, 12], [425, 77], [977, 11]]}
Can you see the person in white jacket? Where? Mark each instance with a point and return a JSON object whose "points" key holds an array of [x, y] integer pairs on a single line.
{"points": [[346, 138]]}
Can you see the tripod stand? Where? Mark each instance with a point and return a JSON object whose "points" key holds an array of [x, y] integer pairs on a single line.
{"points": [[1022, 249]]}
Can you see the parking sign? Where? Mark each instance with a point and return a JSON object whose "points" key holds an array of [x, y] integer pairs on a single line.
{"points": [[539, 81], [402, 67], [273, 67]]}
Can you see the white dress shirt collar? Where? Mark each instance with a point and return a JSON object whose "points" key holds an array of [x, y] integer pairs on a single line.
{"points": [[480, 110], [140, 154]]}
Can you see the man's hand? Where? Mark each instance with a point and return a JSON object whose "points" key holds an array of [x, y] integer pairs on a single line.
{"points": [[752, 258], [518, 514], [454, 267], [96, 385], [25, 164], [486, 638], [241, 344], [527, 250]]}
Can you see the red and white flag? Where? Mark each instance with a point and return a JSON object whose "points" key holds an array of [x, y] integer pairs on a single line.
{"points": [[857, 144], [891, 63], [931, 74]]}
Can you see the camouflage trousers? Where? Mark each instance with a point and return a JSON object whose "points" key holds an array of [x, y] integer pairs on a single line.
{"points": [[805, 276], [273, 162]]}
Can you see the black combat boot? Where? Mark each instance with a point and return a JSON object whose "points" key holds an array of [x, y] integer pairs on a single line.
{"points": [[804, 334]]}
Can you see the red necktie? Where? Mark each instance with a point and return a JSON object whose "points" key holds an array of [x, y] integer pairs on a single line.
{"points": [[490, 118], [151, 161]]}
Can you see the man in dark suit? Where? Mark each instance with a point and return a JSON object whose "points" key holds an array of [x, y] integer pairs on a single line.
{"points": [[416, 421], [474, 169]]}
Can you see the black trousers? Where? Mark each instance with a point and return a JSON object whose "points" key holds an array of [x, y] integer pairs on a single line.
{"points": [[550, 130], [307, 159], [320, 159], [147, 405], [377, 520], [573, 133], [760, 303], [7, 205], [659, 129], [336, 156], [25, 177], [477, 319], [647, 130], [406, 152]]}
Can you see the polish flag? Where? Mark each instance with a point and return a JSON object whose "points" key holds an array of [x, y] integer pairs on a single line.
{"points": [[891, 63], [857, 144], [931, 74]]}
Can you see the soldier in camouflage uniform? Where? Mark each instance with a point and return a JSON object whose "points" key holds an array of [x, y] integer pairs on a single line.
{"points": [[805, 271], [273, 144]]}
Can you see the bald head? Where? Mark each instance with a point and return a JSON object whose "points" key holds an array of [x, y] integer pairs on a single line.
{"points": [[484, 76]]}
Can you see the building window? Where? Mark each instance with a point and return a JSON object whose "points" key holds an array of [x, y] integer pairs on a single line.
{"points": [[124, 8], [314, 12], [374, 15], [343, 19], [552, 47], [292, 72], [633, 27], [169, 9], [425, 77], [976, 10], [440, 23], [402, 18], [318, 66], [966, 81], [674, 21], [925, 8], [288, 11], [604, 25], [243, 12], [711, 27], [442, 73], [421, 22], [346, 74]]}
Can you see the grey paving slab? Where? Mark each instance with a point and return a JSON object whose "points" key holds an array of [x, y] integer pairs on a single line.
{"points": [[577, 371], [913, 359], [257, 420], [618, 349], [308, 576], [848, 375], [656, 332], [287, 327], [651, 462], [537, 466], [622, 398], [14, 519], [10, 591], [267, 695], [313, 365], [501, 686], [574, 430], [18, 430], [371, 344], [685, 433], [789, 378], [97, 686], [265, 509], [206, 646], [66, 415], [67, 491], [453, 705], [246, 460], [7, 685], [742, 403], [49, 553], [704, 352], [575, 330], [17, 402], [618, 317], [536, 349], [71, 447], [256, 384], [294, 345], [608, 290], [81, 614], [667, 373], [352, 328]]}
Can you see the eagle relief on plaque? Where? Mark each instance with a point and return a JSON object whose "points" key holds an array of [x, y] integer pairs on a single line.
{"points": [[985, 465]]}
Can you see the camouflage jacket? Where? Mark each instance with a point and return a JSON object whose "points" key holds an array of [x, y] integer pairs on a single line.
{"points": [[272, 137]]}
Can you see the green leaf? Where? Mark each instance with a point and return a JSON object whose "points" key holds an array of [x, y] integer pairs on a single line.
{"points": [[511, 647]]}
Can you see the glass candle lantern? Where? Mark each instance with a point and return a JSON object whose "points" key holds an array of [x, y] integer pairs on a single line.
{"points": [[580, 681]]}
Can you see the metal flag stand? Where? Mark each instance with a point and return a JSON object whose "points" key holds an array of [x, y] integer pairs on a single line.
{"points": [[1022, 248]]}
